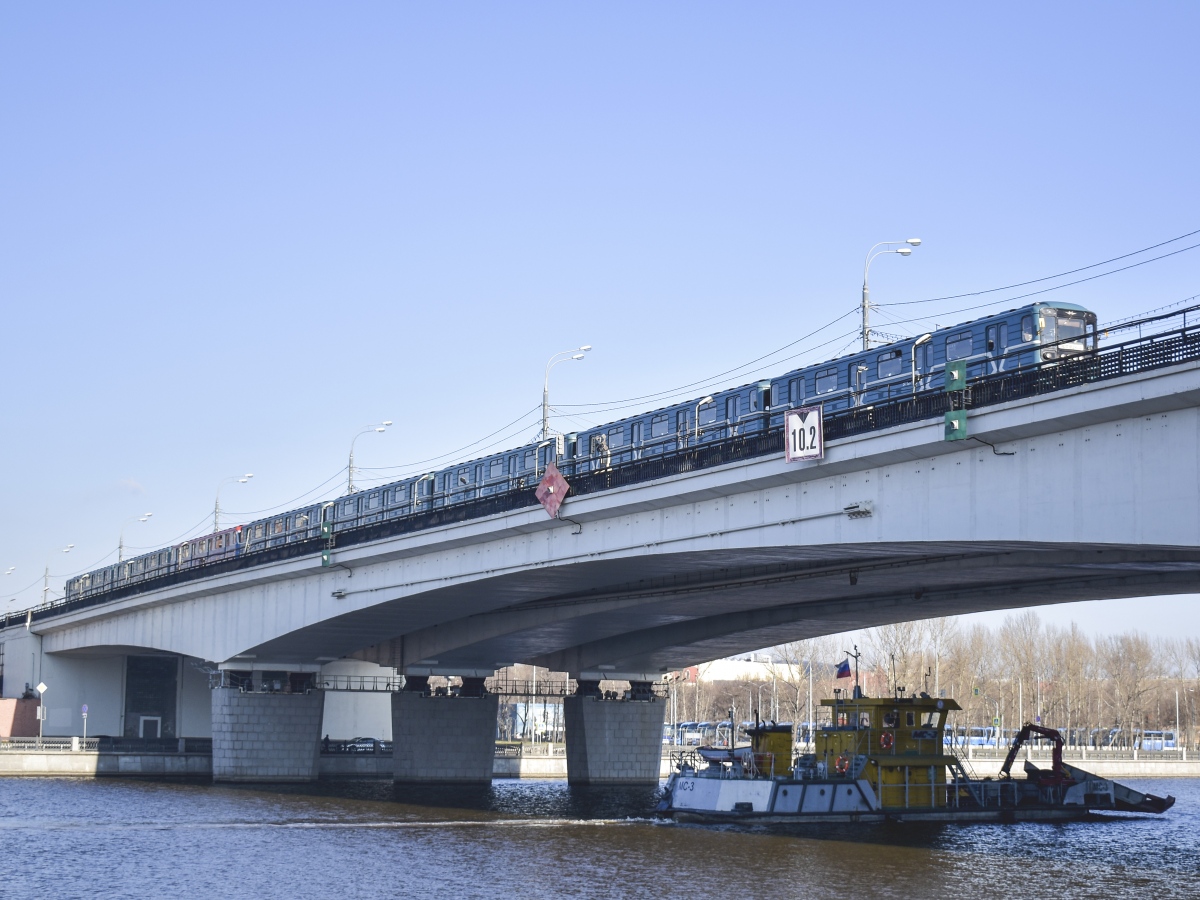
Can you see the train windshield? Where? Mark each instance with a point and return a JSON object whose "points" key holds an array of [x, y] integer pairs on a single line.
{"points": [[1068, 328]]}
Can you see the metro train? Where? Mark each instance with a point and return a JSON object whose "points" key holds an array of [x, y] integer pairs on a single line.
{"points": [[1030, 335]]}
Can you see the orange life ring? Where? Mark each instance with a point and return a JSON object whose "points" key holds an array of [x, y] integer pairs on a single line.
{"points": [[843, 764], [886, 740]]}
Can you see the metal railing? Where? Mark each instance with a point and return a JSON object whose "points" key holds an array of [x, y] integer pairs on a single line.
{"points": [[105, 745], [1141, 354], [366, 683]]}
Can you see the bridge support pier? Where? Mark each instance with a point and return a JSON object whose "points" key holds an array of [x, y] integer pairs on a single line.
{"points": [[613, 741], [273, 737], [444, 739]]}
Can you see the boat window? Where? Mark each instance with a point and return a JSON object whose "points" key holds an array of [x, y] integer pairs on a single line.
{"points": [[1026, 328], [826, 380], [658, 426], [890, 364], [616, 437], [910, 718], [496, 469], [958, 346], [731, 409]]}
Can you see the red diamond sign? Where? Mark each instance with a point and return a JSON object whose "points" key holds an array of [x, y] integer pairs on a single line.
{"points": [[552, 490]]}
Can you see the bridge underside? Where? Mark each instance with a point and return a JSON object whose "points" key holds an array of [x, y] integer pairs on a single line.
{"points": [[660, 613]]}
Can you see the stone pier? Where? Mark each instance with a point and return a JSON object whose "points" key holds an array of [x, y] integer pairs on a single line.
{"points": [[266, 736], [443, 738], [613, 741]]}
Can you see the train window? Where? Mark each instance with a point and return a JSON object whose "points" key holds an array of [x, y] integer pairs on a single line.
{"points": [[826, 380], [1002, 337], [347, 507], [958, 346], [890, 364], [1026, 328], [496, 469], [681, 422], [796, 390], [731, 409], [616, 437], [373, 501], [512, 464], [708, 414], [219, 542], [401, 492], [659, 426], [278, 526], [755, 398], [527, 460], [258, 530], [479, 473], [1070, 327], [991, 338], [464, 476], [635, 433]]}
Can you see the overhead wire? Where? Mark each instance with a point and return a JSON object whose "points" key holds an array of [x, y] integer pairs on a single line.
{"points": [[1021, 284]]}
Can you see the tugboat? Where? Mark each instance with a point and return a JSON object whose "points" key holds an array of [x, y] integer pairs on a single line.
{"points": [[882, 759]]}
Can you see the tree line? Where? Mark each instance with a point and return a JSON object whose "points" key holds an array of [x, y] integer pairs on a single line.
{"points": [[1098, 691]]}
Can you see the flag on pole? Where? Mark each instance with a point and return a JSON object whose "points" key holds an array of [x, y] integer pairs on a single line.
{"points": [[843, 669]]}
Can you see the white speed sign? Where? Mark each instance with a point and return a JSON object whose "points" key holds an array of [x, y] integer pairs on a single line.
{"points": [[804, 433]]}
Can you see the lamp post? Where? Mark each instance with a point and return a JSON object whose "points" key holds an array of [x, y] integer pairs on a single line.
{"points": [[703, 402], [923, 339], [866, 302], [121, 540], [378, 429], [46, 577], [561, 356], [240, 479]]}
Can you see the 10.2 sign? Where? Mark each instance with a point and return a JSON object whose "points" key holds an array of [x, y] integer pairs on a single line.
{"points": [[804, 434]]}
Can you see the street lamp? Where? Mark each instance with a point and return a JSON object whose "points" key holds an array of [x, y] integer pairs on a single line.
{"points": [[46, 577], [703, 402], [240, 479], [377, 429], [925, 338], [121, 541], [561, 356], [866, 303]]}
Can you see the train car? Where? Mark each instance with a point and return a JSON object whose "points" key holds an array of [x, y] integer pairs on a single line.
{"points": [[209, 548]]}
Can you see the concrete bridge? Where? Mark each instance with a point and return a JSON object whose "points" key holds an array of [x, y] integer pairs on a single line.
{"points": [[1086, 492]]}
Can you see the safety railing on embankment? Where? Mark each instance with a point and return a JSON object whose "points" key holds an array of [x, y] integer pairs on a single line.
{"points": [[139, 746]]}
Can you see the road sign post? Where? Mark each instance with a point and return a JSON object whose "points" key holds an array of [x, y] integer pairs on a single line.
{"points": [[804, 434]]}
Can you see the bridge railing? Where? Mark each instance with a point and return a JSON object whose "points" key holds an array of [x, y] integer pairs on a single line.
{"points": [[984, 388]]}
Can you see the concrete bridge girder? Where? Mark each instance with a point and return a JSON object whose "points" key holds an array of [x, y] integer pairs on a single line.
{"points": [[1087, 472]]}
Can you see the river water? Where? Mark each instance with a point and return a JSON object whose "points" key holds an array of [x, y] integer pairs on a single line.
{"points": [[67, 838]]}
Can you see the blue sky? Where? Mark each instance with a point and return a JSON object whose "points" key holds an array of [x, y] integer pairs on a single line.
{"points": [[233, 235]]}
